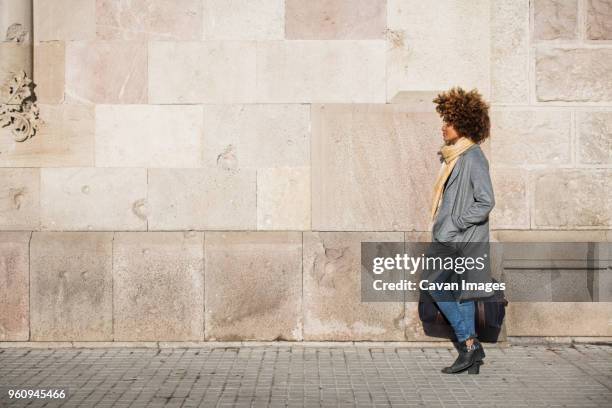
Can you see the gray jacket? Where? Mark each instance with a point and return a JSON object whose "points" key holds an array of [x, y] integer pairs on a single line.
{"points": [[467, 200], [462, 222]]}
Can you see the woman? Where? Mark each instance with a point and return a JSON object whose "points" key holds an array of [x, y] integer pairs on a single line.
{"points": [[463, 198]]}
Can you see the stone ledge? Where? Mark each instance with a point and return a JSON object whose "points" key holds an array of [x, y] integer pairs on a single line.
{"points": [[538, 340], [512, 341]]}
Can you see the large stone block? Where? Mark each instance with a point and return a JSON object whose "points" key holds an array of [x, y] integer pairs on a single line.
{"points": [[148, 136], [149, 20], [302, 71], [202, 72], [572, 198], [510, 187], [244, 20], [283, 198], [335, 19], [253, 286], [93, 199], [333, 309], [599, 20], [71, 286], [373, 167], [14, 286], [158, 286], [14, 58], [555, 19], [64, 20], [65, 137], [16, 12], [256, 135], [106, 72], [208, 198], [19, 199], [461, 55], [525, 137], [559, 319], [50, 71], [594, 137], [573, 75], [510, 51]]}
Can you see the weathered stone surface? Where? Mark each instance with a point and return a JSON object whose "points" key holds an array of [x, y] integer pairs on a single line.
{"points": [[16, 12], [511, 200], [149, 136], [333, 309], [373, 167], [594, 137], [599, 20], [574, 75], [149, 20], [19, 199], [461, 34], [283, 198], [106, 72], [601, 279], [49, 71], [302, 71], [573, 198], [158, 286], [557, 270], [555, 19], [416, 101], [14, 286], [550, 236], [253, 286], [202, 72], [240, 20], [93, 199], [14, 58], [256, 135], [559, 319], [530, 137], [65, 137], [524, 285], [64, 20], [335, 19], [417, 236], [71, 286], [208, 198], [510, 51]]}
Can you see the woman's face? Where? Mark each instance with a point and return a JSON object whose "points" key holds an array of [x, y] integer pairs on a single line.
{"points": [[449, 133]]}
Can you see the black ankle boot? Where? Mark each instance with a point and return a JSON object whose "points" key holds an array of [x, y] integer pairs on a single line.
{"points": [[480, 354], [468, 359]]}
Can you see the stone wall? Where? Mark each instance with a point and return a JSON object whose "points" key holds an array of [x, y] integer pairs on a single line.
{"points": [[206, 169]]}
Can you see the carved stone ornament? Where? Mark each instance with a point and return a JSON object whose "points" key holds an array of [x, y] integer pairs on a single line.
{"points": [[20, 112], [16, 33]]}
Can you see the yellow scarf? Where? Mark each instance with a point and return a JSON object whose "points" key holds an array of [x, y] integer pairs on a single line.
{"points": [[450, 153]]}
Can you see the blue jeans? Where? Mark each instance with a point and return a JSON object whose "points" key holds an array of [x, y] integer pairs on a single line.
{"points": [[459, 314]]}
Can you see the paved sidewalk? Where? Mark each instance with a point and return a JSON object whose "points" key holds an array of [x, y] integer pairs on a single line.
{"points": [[311, 376]]}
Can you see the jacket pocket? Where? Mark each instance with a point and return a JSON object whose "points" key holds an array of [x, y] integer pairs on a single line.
{"points": [[446, 230]]}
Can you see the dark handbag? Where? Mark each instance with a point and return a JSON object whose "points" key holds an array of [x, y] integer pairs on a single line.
{"points": [[489, 317]]}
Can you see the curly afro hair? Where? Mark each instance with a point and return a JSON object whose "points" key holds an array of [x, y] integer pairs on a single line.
{"points": [[466, 111]]}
